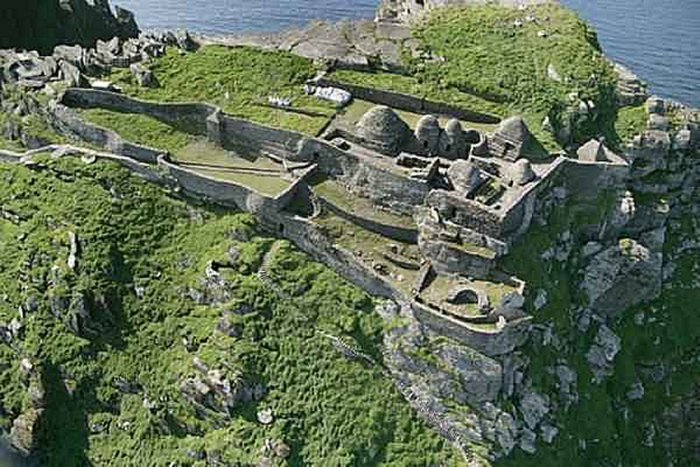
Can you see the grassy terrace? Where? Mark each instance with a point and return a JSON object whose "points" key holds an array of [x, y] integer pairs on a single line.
{"points": [[239, 80], [483, 52], [438, 290], [371, 248], [193, 152], [358, 205]]}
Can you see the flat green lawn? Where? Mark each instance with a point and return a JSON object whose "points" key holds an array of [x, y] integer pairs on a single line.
{"points": [[140, 129], [238, 79], [193, 152]]}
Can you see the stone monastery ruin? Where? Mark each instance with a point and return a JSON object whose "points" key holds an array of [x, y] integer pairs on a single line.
{"points": [[419, 213]]}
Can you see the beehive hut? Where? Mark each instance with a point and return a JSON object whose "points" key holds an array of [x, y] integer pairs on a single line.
{"points": [[521, 173], [510, 139], [428, 134], [382, 129], [464, 176], [453, 144]]}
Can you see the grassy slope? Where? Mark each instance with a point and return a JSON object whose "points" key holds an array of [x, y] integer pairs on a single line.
{"points": [[329, 410], [238, 79]]}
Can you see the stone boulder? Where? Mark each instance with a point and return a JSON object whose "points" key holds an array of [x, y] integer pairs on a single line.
{"points": [[25, 431], [621, 276], [602, 353], [143, 75], [47, 23], [630, 90]]}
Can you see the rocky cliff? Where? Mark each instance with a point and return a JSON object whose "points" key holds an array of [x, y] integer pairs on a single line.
{"points": [[42, 24]]}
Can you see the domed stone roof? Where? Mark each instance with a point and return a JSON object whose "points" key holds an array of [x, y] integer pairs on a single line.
{"points": [[383, 128], [453, 143], [521, 173], [514, 128], [510, 138], [465, 177], [428, 133]]}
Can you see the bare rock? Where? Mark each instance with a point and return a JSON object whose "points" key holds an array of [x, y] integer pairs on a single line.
{"points": [[622, 276]]}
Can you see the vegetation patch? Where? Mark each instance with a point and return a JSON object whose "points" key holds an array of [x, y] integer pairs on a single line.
{"points": [[631, 121], [140, 129], [237, 79], [113, 393]]}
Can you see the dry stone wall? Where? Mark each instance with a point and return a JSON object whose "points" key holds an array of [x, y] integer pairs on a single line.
{"points": [[409, 103]]}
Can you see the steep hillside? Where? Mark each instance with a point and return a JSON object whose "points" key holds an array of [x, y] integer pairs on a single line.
{"points": [[121, 303]]}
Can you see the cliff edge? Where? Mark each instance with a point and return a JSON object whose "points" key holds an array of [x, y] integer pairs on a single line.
{"points": [[43, 24]]}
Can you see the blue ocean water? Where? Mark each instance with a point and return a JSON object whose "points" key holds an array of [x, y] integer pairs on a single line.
{"points": [[658, 39]]}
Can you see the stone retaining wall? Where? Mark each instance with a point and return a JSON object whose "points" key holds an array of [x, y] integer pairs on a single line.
{"points": [[71, 123], [409, 103], [490, 343], [188, 116], [401, 234], [309, 238], [583, 180], [383, 187], [466, 212]]}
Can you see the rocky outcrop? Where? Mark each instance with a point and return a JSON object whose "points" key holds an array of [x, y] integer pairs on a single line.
{"points": [[356, 45], [42, 24], [621, 276]]}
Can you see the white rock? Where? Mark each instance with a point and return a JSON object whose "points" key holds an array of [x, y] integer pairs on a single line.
{"points": [[266, 416]]}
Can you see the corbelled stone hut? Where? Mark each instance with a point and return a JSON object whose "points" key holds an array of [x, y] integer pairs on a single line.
{"points": [[453, 144], [382, 129], [510, 139], [428, 134]]}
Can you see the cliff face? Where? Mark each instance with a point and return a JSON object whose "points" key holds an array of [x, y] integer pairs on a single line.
{"points": [[42, 24]]}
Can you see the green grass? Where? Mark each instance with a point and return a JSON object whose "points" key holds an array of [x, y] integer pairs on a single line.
{"points": [[483, 54], [140, 129], [631, 121], [670, 338], [329, 410], [188, 149], [238, 79], [214, 161], [358, 205], [34, 126]]}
